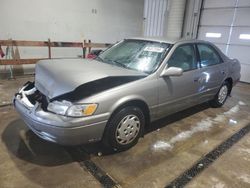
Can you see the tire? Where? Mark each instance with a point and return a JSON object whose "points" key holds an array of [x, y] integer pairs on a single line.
{"points": [[124, 129], [221, 97]]}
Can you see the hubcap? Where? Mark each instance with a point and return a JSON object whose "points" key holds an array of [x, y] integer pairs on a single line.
{"points": [[128, 129], [222, 94]]}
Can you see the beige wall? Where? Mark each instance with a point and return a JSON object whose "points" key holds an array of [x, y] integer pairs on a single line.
{"points": [[69, 20]]}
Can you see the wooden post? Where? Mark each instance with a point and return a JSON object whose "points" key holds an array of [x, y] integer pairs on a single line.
{"points": [[10, 55], [89, 46], [49, 48], [84, 50]]}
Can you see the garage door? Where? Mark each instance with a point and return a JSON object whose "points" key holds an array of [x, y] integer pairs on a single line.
{"points": [[227, 24]]}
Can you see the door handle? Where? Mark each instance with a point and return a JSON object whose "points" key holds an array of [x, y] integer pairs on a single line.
{"points": [[199, 79], [223, 72], [196, 79]]}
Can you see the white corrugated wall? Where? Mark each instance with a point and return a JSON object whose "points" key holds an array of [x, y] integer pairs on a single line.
{"points": [[164, 18], [175, 17], [154, 17]]}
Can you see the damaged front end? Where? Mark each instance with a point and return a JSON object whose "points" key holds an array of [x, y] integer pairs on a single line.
{"points": [[29, 96], [59, 121]]}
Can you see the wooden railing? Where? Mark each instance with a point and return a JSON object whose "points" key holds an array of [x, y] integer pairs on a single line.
{"points": [[85, 46]]}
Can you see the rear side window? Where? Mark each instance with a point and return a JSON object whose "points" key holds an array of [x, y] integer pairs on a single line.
{"points": [[208, 55], [183, 57]]}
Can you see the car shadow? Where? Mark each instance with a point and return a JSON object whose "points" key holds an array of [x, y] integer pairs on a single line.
{"points": [[22, 143], [33, 161], [99, 149], [175, 117]]}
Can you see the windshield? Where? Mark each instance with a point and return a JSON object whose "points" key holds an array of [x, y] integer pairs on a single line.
{"points": [[140, 55]]}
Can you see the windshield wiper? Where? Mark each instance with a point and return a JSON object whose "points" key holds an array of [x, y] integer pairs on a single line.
{"points": [[116, 63], [109, 60], [99, 59], [120, 64]]}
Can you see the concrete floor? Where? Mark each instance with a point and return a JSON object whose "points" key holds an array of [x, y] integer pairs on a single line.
{"points": [[170, 146]]}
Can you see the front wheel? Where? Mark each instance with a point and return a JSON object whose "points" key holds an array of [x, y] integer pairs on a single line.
{"points": [[221, 97], [124, 129]]}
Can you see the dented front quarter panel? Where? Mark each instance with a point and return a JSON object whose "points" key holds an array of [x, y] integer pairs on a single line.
{"points": [[144, 90]]}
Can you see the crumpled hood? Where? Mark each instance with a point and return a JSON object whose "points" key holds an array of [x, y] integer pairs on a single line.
{"points": [[59, 76]]}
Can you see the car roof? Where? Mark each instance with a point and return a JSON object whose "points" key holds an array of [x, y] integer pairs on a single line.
{"points": [[168, 40], [180, 41]]}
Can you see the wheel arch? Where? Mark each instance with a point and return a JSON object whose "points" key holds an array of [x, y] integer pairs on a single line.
{"points": [[230, 81], [138, 102]]}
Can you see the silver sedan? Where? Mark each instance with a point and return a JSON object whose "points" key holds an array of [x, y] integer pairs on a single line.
{"points": [[114, 97]]}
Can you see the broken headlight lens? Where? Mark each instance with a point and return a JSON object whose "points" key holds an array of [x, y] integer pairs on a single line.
{"points": [[73, 110], [59, 107]]}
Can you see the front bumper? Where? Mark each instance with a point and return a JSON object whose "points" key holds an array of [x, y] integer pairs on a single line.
{"points": [[60, 129]]}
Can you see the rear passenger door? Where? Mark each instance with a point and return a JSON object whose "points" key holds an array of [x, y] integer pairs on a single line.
{"points": [[212, 71]]}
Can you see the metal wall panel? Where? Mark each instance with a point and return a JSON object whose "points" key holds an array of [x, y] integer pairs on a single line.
{"points": [[218, 3], [154, 16], [243, 3], [241, 52], [191, 19], [235, 37], [245, 73], [213, 17], [224, 31], [176, 9], [242, 17]]}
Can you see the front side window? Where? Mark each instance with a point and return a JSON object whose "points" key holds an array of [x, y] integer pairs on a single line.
{"points": [[140, 55], [183, 57], [208, 55]]}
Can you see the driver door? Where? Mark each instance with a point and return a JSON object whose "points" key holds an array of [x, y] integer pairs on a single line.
{"points": [[179, 92]]}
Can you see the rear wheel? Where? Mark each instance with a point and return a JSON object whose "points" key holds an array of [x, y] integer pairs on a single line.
{"points": [[124, 129], [221, 97]]}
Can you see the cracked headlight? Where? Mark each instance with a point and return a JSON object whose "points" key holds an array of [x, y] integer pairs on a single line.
{"points": [[74, 110], [59, 107]]}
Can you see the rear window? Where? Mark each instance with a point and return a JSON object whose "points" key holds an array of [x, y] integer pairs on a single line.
{"points": [[208, 55]]}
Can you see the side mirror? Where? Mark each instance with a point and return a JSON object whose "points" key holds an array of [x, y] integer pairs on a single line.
{"points": [[172, 71]]}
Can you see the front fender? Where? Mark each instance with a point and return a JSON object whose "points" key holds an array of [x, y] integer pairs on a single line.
{"points": [[125, 100]]}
